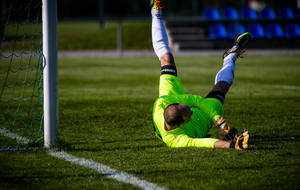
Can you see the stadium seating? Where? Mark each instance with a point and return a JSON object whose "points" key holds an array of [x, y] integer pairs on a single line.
{"points": [[211, 14], [259, 24], [256, 30], [248, 14], [217, 31], [229, 13], [235, 30], [274, 30], [297, 13], [267, 13], [292, 30], [285, 13]]}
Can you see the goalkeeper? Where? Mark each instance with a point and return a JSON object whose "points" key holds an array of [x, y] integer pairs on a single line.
{"points": [[182, 120]]}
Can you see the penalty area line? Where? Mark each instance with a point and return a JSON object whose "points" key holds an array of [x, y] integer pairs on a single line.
{"points": [[107, 171]]}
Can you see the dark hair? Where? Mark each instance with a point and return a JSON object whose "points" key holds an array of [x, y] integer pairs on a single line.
{"points": [[173, 115]]}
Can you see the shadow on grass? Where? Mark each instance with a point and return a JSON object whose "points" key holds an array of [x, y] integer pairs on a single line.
{"points": [[109, 145], [257, 142], [290, 138], [269, 143], [138, 148]]}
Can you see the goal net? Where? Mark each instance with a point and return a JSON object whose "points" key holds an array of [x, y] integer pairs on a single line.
{"points": [[21, 74]]}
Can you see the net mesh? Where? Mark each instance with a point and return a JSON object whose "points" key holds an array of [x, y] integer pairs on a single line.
{"points": [[21, 74]]}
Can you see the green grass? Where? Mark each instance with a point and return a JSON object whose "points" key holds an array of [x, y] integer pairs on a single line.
{"points": [[80, 36], [105, 115], [88, 36]]}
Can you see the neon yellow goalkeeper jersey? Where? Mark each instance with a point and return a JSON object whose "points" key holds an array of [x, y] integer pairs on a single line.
{"points": [[192, 134]]}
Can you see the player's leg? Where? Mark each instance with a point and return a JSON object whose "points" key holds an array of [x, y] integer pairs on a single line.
{"points": [[169, 83], [224, 78], [159, 36]]}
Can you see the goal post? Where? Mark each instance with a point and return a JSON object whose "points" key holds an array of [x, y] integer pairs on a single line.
{"points": [[28, 74], [50, 61]]}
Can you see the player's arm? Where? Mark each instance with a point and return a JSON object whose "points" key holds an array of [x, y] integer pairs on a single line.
{"points": [[222, 144], [182, 140]]}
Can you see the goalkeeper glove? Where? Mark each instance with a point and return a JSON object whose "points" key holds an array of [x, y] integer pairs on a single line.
{"points": [[242, 141], [226, 131]]}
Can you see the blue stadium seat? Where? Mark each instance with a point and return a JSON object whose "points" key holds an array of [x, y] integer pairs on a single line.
{"points": [[248, 14], [211, 14], [285, 13], [256, 30], [267, 13], [292, 30], [230, 13], [232, 33], [217, 31], [274, 30]]}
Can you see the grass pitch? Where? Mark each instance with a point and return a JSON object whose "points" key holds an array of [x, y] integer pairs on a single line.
{"points": [[106, 115], [81, 36]]}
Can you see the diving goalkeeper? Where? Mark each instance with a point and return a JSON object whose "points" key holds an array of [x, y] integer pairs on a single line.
{"points": [[182, 120]]}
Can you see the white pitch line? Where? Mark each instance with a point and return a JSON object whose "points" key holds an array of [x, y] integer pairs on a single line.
{"points": [[107, 171], [6, 132]]}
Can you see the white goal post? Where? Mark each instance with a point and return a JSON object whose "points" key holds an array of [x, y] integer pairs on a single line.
{"points": [[50, 74]]}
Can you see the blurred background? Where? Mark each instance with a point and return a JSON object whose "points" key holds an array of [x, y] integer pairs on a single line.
{"points": [[75, 9], [191, 24]]}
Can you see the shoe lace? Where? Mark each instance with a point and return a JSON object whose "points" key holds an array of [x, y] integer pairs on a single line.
{"points": [[157, 5]]}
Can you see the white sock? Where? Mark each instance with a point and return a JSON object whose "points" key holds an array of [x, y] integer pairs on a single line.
{"points": [[227, 72], [159, 35]]}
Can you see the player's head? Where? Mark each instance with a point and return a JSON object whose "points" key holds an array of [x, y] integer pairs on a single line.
{"points": [[177, 114]]}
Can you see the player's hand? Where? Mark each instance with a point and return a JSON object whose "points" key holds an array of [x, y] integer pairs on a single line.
{"points": [[242, 141], [226, 131]]}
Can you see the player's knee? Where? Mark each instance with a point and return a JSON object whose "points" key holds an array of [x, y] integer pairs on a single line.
{"points": [[221, 86], [167, 59]]}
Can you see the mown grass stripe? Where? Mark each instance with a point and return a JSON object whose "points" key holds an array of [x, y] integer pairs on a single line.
{"points": [[287, 87]]}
